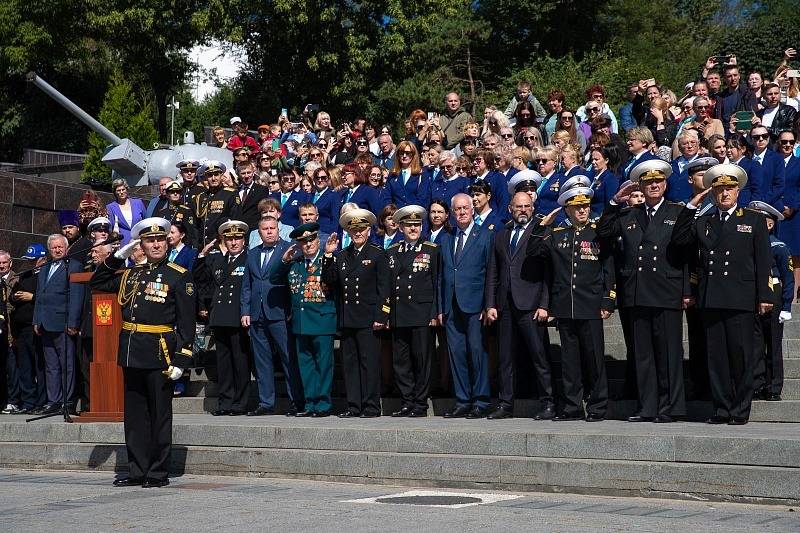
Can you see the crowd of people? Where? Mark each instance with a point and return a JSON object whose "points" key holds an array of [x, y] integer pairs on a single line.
{"points": [[457, 238]]}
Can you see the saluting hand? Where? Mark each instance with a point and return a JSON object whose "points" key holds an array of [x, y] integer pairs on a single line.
{"points": [[625, 192], [546, 221], [289, 253], [207, 248], [698, 198], [332, 243]]}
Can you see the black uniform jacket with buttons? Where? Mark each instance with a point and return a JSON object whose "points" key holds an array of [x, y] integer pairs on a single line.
{"points": [[579, 269], [653, 271], [180, 213], [362, 282], [415, 276], [733, 259], [211, 209], [221, 280], [151, 294]]}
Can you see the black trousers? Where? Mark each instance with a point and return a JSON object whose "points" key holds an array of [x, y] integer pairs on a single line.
{"points": [[361, 363], [582, 347], [84, 354], [769, 352], [412, 365], [517, 329], [4, 359], [658, 343], [698, 358], [731, 360], [630, 391], [233, 367], [148, 422], [30, 366]]}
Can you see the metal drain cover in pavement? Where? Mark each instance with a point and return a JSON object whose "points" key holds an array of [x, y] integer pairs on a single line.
{"points": [[437, 498]]}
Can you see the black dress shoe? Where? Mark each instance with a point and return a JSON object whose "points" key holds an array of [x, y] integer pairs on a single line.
{"points": [[565, 417], [478, 412], [773, 398], [128, 482], [369, 415], [718, 420], [640, 418], [405, 411], [237, 412], [151, 483], [304, 414], [737, 421], [760, 393], [291, 412], [418, 413], [349, 414], [50, 409], [594, 417], [459, 412], [664, 419], [320, 414], [500, 414], [221, 412], [548, 412], [261, 411]]}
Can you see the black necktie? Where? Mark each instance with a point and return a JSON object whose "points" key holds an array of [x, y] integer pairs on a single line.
{"points": [[459, 245], [723, 216], [651, 211], [515, 239]]}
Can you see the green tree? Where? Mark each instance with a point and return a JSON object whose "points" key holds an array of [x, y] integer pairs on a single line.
{"points": [[127, 116]]}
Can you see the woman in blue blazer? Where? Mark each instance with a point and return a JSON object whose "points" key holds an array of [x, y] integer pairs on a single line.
{"points": [[358, 191], [124, 212], [406, 184], [388, 232], [546, 160], [438, 221], [604, 182], [179, 252]]}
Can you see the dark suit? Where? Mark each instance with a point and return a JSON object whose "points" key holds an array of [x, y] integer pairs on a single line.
{"points": [[752, 190], [516, 296], [248, 208], [653, 280], [734, 266], [365, 196], [290, 206], [223, 278], [772, 178], [463, 286], [185, 258], [633, 161], [361, 281], [267, 305], [327, 204], [59, 305], [416, 191]]}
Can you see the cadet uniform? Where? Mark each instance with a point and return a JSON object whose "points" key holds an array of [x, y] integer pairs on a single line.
{"points": [[414, 285], [313, 322], [212, 207], [158, 324], [580, 273], [361, 280], [222, 275], [734, 272], [654, 278], [768, 381]]}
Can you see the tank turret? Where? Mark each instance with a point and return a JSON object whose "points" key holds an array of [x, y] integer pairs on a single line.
{"points": [[128, 160]]}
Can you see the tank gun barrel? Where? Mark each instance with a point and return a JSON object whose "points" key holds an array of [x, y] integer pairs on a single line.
{"points": [[70, 106]]}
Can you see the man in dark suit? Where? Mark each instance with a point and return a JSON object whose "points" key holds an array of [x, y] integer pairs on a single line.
{"points": [[250, 193], [265, 308], [734, 273], [360, 276], [223, 274], [517, 301], [56, 318], [465, 256], [772, 168], [654, 280], [290, 199]]}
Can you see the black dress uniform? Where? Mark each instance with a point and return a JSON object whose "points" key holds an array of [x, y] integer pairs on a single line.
{"points": [[221, 276], [361, 280], [734, 273], [158, 325], [654, 278], [579, 269], [212, 208], [414, 302]]}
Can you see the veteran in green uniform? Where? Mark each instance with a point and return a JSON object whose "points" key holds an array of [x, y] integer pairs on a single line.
{"points": [[313, 317]]}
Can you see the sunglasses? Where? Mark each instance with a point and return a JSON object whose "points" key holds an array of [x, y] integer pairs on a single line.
{"points": [[701, 107], [447, 166], [590, 110], [530, 137], [462, 169], [323, 145], [316, 155], [762, 137], [787, 142], [321, 177], [407, 152], [541, 161], [507, 136], [565, 117], [361, 143]]}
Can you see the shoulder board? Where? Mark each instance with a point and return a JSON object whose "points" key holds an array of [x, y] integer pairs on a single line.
{"points": [[214, 251], [431, 244], [593, 225], [374, 245], [395, 245], [560, 228], [229, 189], [177, 267], [779, 244]]}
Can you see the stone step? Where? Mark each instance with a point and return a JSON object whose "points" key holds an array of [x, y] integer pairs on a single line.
{"points": [[755, 463]]}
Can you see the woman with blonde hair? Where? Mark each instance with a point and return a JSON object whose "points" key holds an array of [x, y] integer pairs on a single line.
{"points": [[570, 159], [496, 121], [520, 158], [406, 184], [567, 122], [546, 161], [323, 127]]}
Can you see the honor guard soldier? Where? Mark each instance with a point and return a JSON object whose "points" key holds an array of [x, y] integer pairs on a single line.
{"points": [[734, 272], [190, 187], [579, 269], [155, 345], [215, 204], [360, 276], [415, 269], [654, 286], [769, 326], [177, 211], [313, 317], [221, 275]]}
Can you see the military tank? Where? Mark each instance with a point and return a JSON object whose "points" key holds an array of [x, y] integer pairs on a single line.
{"points": [[127, 159]]}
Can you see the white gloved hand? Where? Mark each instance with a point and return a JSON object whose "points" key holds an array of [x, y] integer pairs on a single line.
{"points": [[784, 316], [173, 372], [126, 251]]}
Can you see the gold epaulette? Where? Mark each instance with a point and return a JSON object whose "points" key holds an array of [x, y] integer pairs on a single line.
{"points": [[559, 229], [229, 189], [431, 244], [177, 267], [395, 245]]}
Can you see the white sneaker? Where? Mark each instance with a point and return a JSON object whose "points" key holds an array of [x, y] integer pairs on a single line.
{"points": [[10, 409]]}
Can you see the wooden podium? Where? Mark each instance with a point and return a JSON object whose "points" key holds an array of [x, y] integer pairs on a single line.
{"points": [[106, 397]]}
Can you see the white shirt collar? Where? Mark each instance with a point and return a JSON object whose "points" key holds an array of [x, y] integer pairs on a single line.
{"points": [[655, 207], [467, 230]]}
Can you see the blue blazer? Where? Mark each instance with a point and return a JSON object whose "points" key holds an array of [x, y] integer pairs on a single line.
{"points": [[772, 180], [791, 178], [379, 239], [445, 190], [547, 199], [628, 167], [138, 212], [605, 186], [328, 207], [494, 222], [752, 190], [366, 197], [678, 187], [262, 299], [499, 184], [439, 236], [465, 280], [59, 303], [290, 211], [186, 257], [416, 191]]}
